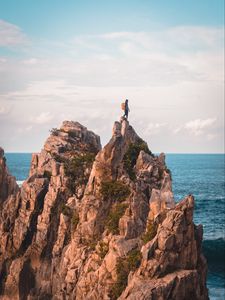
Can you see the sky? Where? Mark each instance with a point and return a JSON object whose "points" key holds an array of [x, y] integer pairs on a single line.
{"points": [[79, 59]]}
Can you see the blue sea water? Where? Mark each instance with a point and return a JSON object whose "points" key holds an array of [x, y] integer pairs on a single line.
{"points": [[202, 175], [19, 165]]}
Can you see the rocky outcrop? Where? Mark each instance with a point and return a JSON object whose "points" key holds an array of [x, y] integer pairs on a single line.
{"points": [[8, 184], [172, 263], [92, 223]]}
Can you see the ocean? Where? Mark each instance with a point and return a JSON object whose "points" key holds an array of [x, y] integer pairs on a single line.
{"points": [[202, 175]]}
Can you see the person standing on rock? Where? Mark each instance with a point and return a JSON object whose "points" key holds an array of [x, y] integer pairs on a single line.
{"points": [[126, 109]]}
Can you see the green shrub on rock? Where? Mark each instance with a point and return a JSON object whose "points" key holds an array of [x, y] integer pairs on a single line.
{"points": [[66, 210], [75, 166], [47, 174], [133, 259], [103, 249], [55, 131], [115, 190], [91, 244], [72, 214], [74, 220], [150, 232], [131, 156], [116, 212], [75, 169], [123, 267]]}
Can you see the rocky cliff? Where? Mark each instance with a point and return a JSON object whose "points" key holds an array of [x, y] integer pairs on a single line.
{"points": [[92, 223]]}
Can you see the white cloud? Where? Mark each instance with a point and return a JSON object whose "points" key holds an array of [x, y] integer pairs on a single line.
{"points": [[3, 60], [25, 129], [41, 90], [156, 58], [42, 118], [30, 61], [167, 75], [198, 126], [5, 110], [2, 110], [11, 35], [114, 35], [165, 56], [178, 39], [211, 136], [198, 36], [28, 128], [154, 128], [177, 130]]}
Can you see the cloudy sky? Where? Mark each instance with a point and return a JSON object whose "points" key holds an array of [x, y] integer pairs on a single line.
{"points": [[78, 60]]}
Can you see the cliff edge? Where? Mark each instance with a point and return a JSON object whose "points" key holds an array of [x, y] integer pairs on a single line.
{"points": [[98, 223]]}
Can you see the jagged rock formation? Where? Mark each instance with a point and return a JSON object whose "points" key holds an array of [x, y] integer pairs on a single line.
{"points": [[92, 223], [8, 184]]}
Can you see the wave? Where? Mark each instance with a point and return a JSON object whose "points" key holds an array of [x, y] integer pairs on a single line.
{"points": [[19, 182], [214, 251]]}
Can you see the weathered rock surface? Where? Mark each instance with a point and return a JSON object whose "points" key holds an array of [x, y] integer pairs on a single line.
{"points": [[8, 185], [92, 223]]}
